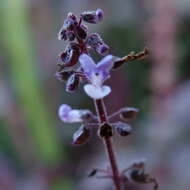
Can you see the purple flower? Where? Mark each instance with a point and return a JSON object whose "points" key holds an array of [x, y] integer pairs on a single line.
{"points": [[96, 75], [69, 115]]}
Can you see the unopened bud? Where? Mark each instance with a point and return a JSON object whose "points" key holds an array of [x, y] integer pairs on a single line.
{"points": [[71, 35], [128, 113], [72, 83], [81, 136], [93, 17], [70, 22], [102, 49], [123, 129], [62, 35], [96, 42], [71, 55]]}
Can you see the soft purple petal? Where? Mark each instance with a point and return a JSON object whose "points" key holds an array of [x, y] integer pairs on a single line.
{"points": [[64, 111], [87, 64], [97, 92], [106, 63]]}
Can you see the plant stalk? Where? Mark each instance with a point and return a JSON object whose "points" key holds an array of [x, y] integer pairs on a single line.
{"points": [[102, 114]]}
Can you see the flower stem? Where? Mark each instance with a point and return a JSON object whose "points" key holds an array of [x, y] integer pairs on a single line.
{"points": [[102, 114]]}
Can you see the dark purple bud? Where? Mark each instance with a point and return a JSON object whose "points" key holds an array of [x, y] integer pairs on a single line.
{"points": [[105, 131], [71, 55], [81, 136], [92, 17], [63, 75], [96, 42], [70, 22], [72, 17], [102, 49], [64, 56], [128, 113], [123, 129], [71, 35], [72, 83], [62, 35], [81, 31], [100, 14]]}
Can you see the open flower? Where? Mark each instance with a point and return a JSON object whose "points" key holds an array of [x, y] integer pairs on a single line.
{"points": [[69, 115], [96, 75]]}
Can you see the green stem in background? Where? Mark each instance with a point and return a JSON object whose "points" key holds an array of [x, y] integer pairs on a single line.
{"points": [[17, 39], [102, 114]]}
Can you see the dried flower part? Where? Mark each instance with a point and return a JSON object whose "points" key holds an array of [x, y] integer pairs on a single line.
{"points": [[93, 17], [63, 75], [105, 131], [137, 174], [132, 56], [81, 136], [95, 42], [70, 55], [128, 113], [123, 129], [72, 83]]}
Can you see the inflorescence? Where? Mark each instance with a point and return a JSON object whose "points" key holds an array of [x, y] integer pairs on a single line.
{"points": [[93, 76]]}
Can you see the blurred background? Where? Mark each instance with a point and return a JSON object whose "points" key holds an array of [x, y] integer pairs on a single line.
{"points": [[35, 146]]}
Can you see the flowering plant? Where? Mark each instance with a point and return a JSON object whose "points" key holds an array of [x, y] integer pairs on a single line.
{"points": [[94, 75]]}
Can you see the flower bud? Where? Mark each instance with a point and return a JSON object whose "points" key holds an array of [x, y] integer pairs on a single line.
{"points": [[92, 17], [70, 55], [70, 36], [72, 83], [105, 131], [96, 42], [128, 113], [62, 35], [72, 17], [70, 22], [63, 75], [123, 129], [102, 49], [81, 31], [81, 136]]}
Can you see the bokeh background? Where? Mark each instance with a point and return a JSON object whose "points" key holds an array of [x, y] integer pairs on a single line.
{"points": [[35, 146]]}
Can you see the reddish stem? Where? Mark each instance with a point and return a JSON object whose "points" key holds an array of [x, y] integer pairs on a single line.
{"points": [[102, 114]]}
